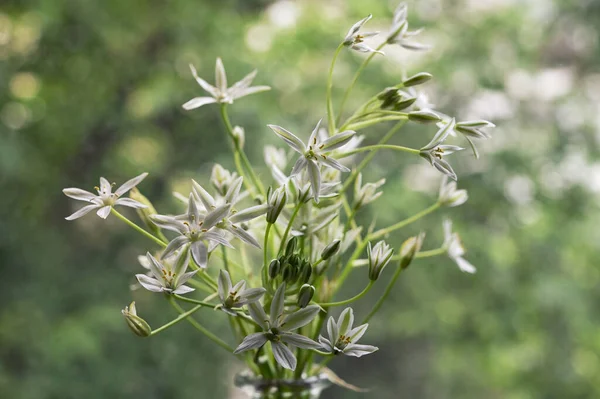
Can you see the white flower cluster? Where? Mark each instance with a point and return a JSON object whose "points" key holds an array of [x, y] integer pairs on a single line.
{"points": [[303, 225]]}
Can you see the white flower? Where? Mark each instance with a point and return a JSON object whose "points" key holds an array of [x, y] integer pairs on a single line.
{"points": [[275, 157], [454, 248], [449, 195], [231, 220], [434, 151], [222, 179], [314, 154], [354, 40], [220, 92], [277, 329], [379, 256], [367, 193], [343, 338], [194, 228], [236, 296], [105, 199], [168, 277], [399, 33]]}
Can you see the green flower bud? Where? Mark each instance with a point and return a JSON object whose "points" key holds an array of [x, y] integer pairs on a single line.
{"points": [[305, 272], [305, 295], [417, 79], [291, 246], [330, 249], [136, 323], [276, 204], [274, 268], [145, 213], [409, 249], [240, 135], [424, 116], [404, 103], [286, 271], [389, 97]]}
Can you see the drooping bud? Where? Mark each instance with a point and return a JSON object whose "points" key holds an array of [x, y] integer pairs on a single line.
{"points": [[291, 246], [276, 202], [379, 256], [409, 249], [136, 323], [145, 213], [274, 268], [240, 135], [417, 79], [305, 295], [424, 116], [473, 128], [330, 249]]}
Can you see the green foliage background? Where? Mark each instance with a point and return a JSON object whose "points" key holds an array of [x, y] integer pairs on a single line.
{"points": [[91, 89]]}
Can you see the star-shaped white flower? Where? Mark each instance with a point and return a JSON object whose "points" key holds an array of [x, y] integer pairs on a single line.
{"points": [[434, 151], [105, 199], [399, 33], [168, 277], [315, 153], [354, 40], [236, 296], [343, 338], [220, 92], [455, 249]]}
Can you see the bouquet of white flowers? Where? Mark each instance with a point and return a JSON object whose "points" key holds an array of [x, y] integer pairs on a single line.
{"points": [[302, 224]]}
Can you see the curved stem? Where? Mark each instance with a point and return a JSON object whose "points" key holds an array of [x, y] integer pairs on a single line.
{"points": [[387, 291], [355, 79], [138, 228], [399, 225], [200, 328], [431, 252], [194, 301], [350, 300], [379, 147], [330, 115], [371, 122], [182, 316], [289, 226], [239, 153]]}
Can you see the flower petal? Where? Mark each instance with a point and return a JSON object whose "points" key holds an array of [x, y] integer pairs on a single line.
{"points": [[325, 343], [149, 283], [220, 76], [186, 276], [300, 318], [234, 191], [252, 341], [337, 141], [359, 350], [464, 265], [224, 284], [332, 330], [294, 142], [250, 90], [250, 295], [299, 165], [258, 314], [204, 84], [313, 140], [79, 194], [200, 253], [345, 321], [299, 341], [315, 179], [356, 333], [130, 203], [207, 200], [86, 209], [168, 223], [332, 163], [104, 211], [129, 184], [174, 245], [243, 235], [249, 213], [277, 305], [283, 355], [197, 102], [215, 216], [155, 266]]}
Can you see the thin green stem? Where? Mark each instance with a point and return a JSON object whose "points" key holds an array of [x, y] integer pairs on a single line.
{"points": [[431, 252], [194, 301], [225, 260], [370, 122], [330, 114], [138, 228], [265, 272], [179, 318], [289, 227], [350, 300], [387, 291], [200, 328], [379, 147], [355, 79], [402, 223]]}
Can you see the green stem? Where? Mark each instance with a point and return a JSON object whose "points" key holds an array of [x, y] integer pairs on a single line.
{"points": [[194, 301], [378, 147], [399, 225], [330, 114], [225, 261], [350, 300], [265, 271], [138, 228], [289, 227], [431, 252], [203, 330], [182, 316], [240, 152], [355, 79], [370, 122], [387, 291]]}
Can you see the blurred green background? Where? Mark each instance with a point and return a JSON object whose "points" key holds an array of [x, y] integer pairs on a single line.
{"points": [[91, 89]]}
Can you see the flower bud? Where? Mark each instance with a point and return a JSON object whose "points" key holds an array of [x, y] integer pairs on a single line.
{"points": [[291, 246], [389, 97], [473, 128], [409, 249], [305, 272], [417, 79], [274, 268], [330, 249], [136, 323], [305, 295], [404, 103], [221, 179], [379, 256], [424, 116], [239, 135], [145, 213], [286, 271], [276, 204], [449, 196]]}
